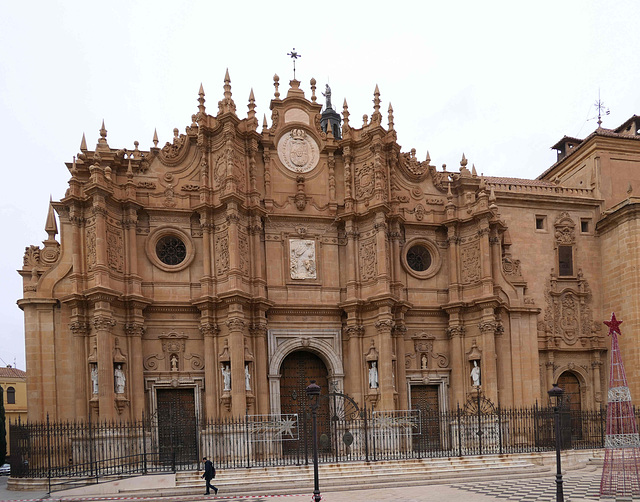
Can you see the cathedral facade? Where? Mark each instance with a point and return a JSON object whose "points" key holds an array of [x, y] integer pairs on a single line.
{"points": [[228, 268]]}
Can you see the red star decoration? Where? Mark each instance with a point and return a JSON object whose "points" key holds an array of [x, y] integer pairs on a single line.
{"points": [[613, 324]]}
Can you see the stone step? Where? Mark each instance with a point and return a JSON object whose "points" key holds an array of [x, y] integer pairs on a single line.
{"points": [[335, 477]]}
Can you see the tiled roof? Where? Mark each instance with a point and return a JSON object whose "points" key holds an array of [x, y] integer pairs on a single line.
{"points": [[518, 181], [12, 373]]}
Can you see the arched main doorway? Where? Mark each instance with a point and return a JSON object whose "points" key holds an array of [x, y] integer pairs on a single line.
{"points": [[297, 371], [569, 382]]}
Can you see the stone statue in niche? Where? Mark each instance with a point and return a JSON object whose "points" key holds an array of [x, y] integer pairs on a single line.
{"points": [[247, 377], [302, 258], [226, 376], [119, 379], [423, 363], [373, 375], [475, 374], [174, 362], [94, 378]]}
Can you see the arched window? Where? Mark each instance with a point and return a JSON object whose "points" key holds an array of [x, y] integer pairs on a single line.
{"points": [[11, 395]]}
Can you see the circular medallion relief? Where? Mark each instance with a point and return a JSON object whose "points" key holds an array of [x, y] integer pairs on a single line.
{"points": [[298, 151]]}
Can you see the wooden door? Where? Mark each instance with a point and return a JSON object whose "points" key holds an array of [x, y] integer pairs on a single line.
{"points": [[425, 399], [176, 413], [297, 371]]}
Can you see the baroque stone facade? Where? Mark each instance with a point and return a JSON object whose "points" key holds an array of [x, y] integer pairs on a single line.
{"points": [[203, 265]]}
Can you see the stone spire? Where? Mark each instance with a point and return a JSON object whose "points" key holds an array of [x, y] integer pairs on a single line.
{"points": [[155, 138], [201, 107], [376, 117], [83, 144], [102, 142], [390, 117], [226, 105], [345, 114], [252, 106], [51, 227]]}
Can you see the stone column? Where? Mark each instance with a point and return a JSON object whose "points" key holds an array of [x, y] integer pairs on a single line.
{"points": [[103, 322], [399, 331], [352, 259], [83, 391], [131, 255], [488, 370], [597, 385], [452, 239], [353, 336], [211, 388], [385, 364], [458, 366], [485, 253], [382, 251], [236, 327], [260, 383], [134, 331]]}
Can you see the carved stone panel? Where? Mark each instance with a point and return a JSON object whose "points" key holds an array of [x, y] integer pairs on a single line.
{"points": [[368, 262], [302, 258], [222, 254], [470, 257]]}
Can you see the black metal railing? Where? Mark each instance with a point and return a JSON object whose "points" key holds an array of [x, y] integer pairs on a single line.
{"points": [[92, 451]]}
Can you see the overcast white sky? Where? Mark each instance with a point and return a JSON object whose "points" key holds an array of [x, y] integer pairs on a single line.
{"points": [[499, 81]]}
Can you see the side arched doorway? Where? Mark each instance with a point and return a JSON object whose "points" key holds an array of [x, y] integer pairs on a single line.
{"points": [[297, 371], [570, 383]]}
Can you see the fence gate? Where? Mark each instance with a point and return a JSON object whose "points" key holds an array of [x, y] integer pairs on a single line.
{"points": [[176, 422]]}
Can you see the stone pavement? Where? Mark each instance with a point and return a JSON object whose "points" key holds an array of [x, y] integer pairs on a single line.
{"points": [[579, 485]]}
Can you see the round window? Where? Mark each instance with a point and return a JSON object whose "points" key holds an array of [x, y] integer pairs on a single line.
{"points": [[418, 258], [171, 250]]}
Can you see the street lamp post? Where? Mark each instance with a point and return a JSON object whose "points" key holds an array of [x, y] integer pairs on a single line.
{"points": [[555, 397], [313, 392]]}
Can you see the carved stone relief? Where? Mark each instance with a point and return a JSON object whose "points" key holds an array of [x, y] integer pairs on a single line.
{"points": [[298, 151], [368, 263], [365, 181], [222, 254], [243, 253], [115, 257], [91, 247], [565, 229], [302, 258], [470, 257], [424, 353]]}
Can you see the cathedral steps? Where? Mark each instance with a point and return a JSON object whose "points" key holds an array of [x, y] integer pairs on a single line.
{"points": [[348, 476]]}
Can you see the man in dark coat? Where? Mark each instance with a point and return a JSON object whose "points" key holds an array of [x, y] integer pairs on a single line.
{"points": [[209, 474]]}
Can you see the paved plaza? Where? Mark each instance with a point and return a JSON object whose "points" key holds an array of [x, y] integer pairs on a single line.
{"points": [[579, 485]]}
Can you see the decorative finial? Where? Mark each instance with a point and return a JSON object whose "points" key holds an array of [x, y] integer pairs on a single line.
{"points": [[155, 138], [51, 227], [103, 136], [376, 116], [83, 144], [227, 105], [313, 89], [464, 161], [390, 117], [473, 171], [294, 55], [201, 107], [129, 170], [264, 123], [251, 105], [345, 113], [276, 84], [428, 159]]}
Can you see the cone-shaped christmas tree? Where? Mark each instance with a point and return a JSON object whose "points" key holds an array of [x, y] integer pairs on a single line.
{"points": [[621, 471]]}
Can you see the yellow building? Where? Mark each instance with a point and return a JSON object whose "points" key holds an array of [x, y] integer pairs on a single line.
{"points": [[14, 386]]}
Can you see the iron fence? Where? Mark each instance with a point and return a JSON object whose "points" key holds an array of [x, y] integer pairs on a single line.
{"points": [[92, 450]]}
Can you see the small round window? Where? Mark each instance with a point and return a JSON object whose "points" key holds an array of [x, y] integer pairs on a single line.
{"points": [[418, 258], [171, 250]]}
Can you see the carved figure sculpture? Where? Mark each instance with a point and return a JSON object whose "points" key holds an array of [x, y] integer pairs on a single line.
{"points": [[327, 94], [94, 378], [424, 361], [373, 376], [174, 362], [247, 378], [119, 379], [475, 374], [226, 375]]}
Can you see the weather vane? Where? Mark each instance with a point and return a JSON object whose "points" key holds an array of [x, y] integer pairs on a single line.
{"points": [[601, 108], [294, 55]]}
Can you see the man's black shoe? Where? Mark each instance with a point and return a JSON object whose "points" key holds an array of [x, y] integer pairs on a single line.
{"points": [[215, 491]]}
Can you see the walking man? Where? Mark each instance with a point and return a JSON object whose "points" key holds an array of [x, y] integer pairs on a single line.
{"points": [[209, 474]]}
